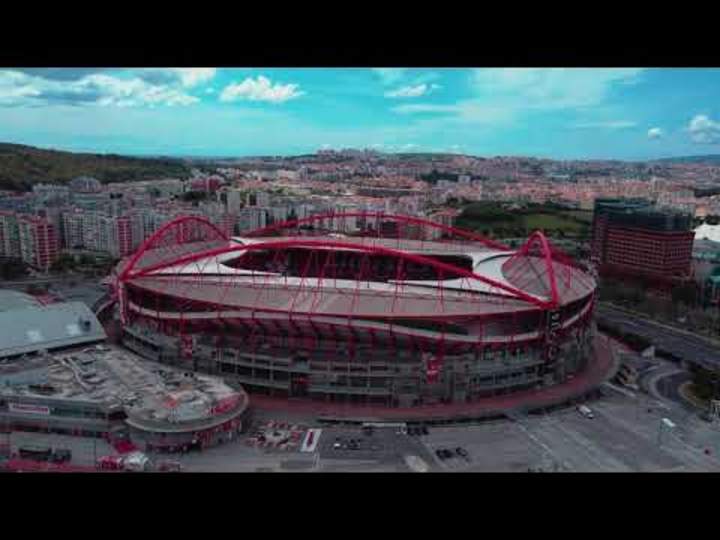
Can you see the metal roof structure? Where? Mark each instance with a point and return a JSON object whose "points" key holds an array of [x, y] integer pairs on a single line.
{"points": [[11, 300], [32, 329]]}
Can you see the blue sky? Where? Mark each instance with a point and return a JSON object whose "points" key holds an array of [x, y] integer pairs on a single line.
{"points": [[608, 113]]}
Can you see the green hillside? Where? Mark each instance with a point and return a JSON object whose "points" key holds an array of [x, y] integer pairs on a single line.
{"points": [[23, 166]]}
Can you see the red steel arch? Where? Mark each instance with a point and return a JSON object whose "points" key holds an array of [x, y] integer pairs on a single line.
{"points": [[148, 244], [334, 244], [378, 215], [546, 252]]}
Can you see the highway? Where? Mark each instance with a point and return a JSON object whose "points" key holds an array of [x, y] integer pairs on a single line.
{"points": [[680, 344]]}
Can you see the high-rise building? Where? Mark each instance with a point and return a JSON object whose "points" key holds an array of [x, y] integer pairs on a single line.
{"points": [[85, 184], [98, 232], [234, 201], [38, 242], [252, 218], [634, 238], [73, 230], [123, 232], [9, 235]]}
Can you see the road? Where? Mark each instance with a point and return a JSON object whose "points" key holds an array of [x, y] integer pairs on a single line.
{"points": [[680, 344]]}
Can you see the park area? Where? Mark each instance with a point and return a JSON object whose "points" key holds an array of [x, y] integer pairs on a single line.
{"points": [[498, 220]]}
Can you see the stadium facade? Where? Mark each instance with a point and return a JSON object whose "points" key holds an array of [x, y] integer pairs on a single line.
{"points": [[358, 308]]}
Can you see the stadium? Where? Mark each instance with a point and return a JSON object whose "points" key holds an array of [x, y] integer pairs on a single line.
{"points": [[359, 308]]}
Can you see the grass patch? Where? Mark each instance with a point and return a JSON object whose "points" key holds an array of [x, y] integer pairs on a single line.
{"points": [[507, 223]]}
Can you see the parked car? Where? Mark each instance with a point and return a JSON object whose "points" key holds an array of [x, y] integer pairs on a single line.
{"points": [[586, 411], [462, 452]]}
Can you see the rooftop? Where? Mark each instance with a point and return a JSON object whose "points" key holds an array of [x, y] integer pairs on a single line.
{"points": [[35, 328], [10, 300], [153, 395]]}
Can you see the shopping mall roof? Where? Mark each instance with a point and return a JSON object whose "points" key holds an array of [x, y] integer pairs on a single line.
{"points": [[10, 300], [155, 397], [32, 329]]}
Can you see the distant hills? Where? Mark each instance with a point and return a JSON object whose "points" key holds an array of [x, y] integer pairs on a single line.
{"points": [[711, 159], [23, 166]]}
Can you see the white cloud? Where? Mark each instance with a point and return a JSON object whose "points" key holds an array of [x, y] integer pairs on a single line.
{"points": [[609, 124], [23, 89], [412, 108], [194, 76], [703, 130], [412, 91], [500, 96], [186, 77], [551, 88], [655, 133], [464, 112], [260, 89], [389, 75]]}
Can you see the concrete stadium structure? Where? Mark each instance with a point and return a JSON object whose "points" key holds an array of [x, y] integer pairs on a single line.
{"points": [[363, 308]]}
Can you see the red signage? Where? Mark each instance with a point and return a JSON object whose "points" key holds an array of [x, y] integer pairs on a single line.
{"points": [[226, 404], [28, 409]]}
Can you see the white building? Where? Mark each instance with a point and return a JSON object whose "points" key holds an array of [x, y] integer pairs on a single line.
{"points": [[252, 218], [234, 201]]}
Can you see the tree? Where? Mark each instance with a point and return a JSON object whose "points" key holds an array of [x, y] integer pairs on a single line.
{"points": [[63, 263], [12, 269], [706, 383], [686, 293]]}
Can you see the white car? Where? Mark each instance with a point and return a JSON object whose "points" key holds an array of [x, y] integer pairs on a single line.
{"points": [[585, 411]]}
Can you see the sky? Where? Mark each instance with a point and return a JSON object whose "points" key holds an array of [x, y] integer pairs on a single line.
{"points": [[559, 113]]}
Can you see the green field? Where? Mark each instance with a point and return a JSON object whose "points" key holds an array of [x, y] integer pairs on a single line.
{"points": [[493, 220]]}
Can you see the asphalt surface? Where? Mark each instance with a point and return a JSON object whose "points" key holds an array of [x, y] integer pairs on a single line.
{"points": [[625, 435], [385, 447], [681, 345]]}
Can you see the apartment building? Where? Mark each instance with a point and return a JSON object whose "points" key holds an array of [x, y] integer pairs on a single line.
{"points": [[633, 237], [38, 242]]}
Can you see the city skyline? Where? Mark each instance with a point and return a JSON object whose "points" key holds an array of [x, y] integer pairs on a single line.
{"points": [[574, 113]]}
